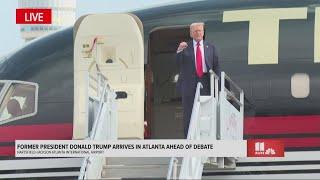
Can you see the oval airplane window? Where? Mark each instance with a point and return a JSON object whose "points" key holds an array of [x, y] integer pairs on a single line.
{"points": [[300, 85], [19, 101]]}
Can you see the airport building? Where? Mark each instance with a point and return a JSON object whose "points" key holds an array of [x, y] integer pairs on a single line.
{"points": [[63, 15]]}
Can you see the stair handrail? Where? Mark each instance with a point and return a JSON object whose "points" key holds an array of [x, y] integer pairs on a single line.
{"points": [[170, 174], [224, 77], [104, 98], [231, 99], [194, 132]]}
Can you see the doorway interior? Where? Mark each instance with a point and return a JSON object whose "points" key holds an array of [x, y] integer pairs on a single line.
{"points": [[164, 111]]}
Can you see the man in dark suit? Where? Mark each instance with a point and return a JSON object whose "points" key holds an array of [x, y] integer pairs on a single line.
{"points": [[195, 59]]}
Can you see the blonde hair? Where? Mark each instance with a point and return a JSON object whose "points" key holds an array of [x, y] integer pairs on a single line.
{"points": [[196, 24]]}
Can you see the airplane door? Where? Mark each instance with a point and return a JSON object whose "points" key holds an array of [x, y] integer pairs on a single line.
{"points": [[115, 42]]}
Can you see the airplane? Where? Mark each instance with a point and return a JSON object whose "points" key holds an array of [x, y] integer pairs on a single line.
{"points": [[270, 48]]}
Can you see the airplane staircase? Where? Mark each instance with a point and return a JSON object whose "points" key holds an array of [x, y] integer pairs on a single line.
{"points": [[209, 121]]}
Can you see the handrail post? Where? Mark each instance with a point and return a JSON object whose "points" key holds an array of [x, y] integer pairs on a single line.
{"points": [[214, 83], [222, 82]]}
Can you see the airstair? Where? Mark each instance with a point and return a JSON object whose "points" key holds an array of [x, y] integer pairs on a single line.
{"points": [[215, 117]]}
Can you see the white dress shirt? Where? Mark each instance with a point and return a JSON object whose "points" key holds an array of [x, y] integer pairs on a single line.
{"points": [[204, 67]]}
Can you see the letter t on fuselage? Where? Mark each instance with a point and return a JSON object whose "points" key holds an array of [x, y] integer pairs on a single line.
{"points": [[264, 30]]}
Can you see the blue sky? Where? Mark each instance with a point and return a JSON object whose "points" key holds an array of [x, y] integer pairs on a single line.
{"points": [[9, 32]]}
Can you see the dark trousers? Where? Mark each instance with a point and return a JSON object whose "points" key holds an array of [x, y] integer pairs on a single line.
{"points": [[187, 101]]}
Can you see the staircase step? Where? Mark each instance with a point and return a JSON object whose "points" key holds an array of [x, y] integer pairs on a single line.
{"points": [[204, 99], [143, 171], [140, 167], [137, 161]]}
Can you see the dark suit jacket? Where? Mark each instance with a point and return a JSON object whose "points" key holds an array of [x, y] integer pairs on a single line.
{"points": [[185, 59]]}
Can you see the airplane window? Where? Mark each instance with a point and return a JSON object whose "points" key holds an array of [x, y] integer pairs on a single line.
{"points": [[18, 102], [300, 85]]}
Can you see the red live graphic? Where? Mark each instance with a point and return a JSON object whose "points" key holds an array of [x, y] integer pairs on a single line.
{"points": [[33, 16], [265, 148]]}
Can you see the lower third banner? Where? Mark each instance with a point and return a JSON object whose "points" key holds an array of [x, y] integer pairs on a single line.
{"points": [[130, 148]]}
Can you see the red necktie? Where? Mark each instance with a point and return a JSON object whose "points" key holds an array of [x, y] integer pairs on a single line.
{"points": [[199, 61]]}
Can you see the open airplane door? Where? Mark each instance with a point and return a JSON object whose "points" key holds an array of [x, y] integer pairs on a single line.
{"points": [[114, 42]]}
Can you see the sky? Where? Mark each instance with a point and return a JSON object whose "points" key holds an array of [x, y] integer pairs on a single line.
{"points": [[9, 31]]}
